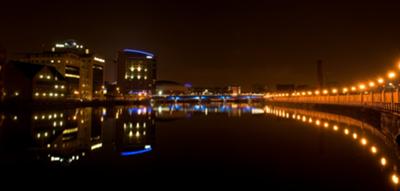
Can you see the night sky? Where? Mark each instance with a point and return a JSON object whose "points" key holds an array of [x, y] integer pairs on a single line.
{"points": [[220, 42]]}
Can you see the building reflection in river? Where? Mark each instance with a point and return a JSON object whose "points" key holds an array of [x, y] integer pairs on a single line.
{"points": [[68, 136], [62, 137]]}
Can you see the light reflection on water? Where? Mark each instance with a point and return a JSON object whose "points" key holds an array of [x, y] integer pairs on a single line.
{"points": [[64, 137]]}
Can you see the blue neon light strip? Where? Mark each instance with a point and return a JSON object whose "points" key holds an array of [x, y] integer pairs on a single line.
{"points": [[139, 51], [128, 153]]}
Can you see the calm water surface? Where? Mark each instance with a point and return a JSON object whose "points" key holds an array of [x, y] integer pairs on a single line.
{"points": [[274, 146]]}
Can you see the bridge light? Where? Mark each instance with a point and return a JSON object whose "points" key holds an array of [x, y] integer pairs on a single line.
{"points": [[383, 161], [345, 90], [371, 84], [395, 179], [325, 92], [353, 88], [374, 150], [364, 141], [309, 93], [391, 75], [380, 80], [361, 86], [334, 90], [303, 93], [316, 92], [335, 127]]}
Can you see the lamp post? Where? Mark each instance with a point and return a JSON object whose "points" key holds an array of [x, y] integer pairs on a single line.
{"points": [[391, 75], [372, 85], [362, 87], [382, 88]]}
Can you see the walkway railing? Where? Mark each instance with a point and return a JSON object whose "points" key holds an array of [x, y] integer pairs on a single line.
{"points": [[388, 101]]}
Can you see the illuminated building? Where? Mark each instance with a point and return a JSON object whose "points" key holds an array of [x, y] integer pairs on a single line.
{"points": [[27, 82], [136, 72], [83, 71]]}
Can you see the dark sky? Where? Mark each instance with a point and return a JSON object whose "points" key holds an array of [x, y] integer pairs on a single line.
{"points": [[220, 42]]}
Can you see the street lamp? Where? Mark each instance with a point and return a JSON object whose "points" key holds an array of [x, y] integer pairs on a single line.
{"points": [[362, 87], [391, 75], [371, 85]]}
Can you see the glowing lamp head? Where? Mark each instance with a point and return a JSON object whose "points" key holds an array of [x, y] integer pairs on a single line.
{"points": [[325, 92], [353, 88], [395, 179], [334, 90], [383, 161], [316, 92], [361, 86], [371, 84], [391, 75], [345, 90], [381, 81]]}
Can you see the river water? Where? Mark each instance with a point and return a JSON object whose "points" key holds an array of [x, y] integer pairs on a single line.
{"points": [[261, 144]]}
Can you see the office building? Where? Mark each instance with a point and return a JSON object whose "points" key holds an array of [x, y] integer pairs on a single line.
{"points": [[83, 70], [32, 82], [136, 73]]}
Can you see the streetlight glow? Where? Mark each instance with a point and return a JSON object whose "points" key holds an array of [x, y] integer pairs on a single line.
{"points": [[371, 84], [391, 75], [380, 80]]}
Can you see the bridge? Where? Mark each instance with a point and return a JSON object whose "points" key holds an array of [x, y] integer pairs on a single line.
{"points": [[209, 98]]}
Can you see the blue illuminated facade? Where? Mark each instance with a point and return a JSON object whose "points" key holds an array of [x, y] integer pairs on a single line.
{"points": [[136, 72]]}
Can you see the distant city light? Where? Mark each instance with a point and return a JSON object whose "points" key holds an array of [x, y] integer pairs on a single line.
{"points": [[99, 59]]}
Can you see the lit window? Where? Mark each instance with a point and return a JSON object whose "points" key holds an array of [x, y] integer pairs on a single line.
{"points": [[132, 76], [44, 94], [51, 94], [145, 69], [16, 93], [62, 87], [145, 77], [58, 61], [139, 68], [55, 94], [132, 68], [48, 77], [56, 86], [139, 77], [37, 94], [62, 95], [52, 61], [41, 76]]}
